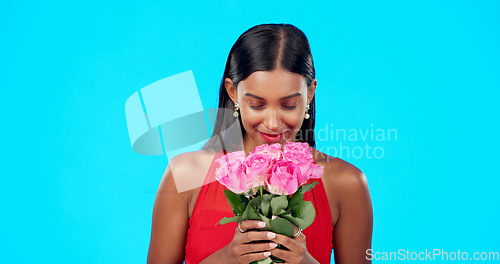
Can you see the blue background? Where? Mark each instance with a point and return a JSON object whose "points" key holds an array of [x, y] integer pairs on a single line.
{"points": [[73, 191]]}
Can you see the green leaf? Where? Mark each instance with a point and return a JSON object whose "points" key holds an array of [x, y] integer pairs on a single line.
{"points": [[255, 201], [267, 260], [265, 205], [282, 226], [296, 199], [279, 204], [244, 215], [305, 188], [294, 220], [252, 213], [305, 211], [243, 200], [299, 210], [251, 210], [298, 196], [235, 202], [266, 220], [226, 220]]}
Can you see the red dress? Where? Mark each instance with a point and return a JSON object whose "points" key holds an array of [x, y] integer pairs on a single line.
{"points": [[204, 238]]}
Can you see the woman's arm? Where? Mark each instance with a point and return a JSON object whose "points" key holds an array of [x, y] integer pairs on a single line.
{"points": [[170, 219], [352, 234]]}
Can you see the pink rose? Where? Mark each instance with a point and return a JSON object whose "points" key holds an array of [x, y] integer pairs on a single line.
{"points": [[301, 155], [231, 172], [284, 178], [258, 168], [273, 151], [298, 153], [315, 171]]}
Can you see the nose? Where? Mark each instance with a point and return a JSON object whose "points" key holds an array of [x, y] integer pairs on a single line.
{"points": [[272, 120]]}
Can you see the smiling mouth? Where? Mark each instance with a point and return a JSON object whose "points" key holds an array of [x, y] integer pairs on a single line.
{"points": [[271, 137]]}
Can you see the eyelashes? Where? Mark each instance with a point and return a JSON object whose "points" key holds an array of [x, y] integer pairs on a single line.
{"points": [[262, 106]]}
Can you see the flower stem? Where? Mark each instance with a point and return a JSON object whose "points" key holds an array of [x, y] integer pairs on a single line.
{"points": [[261, 192]]}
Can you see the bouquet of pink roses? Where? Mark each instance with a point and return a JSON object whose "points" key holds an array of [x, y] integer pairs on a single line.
{"points": [[269, 185]]}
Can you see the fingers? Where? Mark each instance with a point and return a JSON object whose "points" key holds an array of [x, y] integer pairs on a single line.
{"points": [[295, 248], [295, 230], [255, 236], [245, 225], [293, 244], [289, 256], [248, 235], [248, 258], [257, 247], [253, 244]]}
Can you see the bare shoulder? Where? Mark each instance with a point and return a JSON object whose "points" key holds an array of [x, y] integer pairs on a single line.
{"points": [[187, 161], [189, 169]]}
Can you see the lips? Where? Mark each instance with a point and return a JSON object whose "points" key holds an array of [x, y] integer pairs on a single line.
{"points": [[271, 137]]}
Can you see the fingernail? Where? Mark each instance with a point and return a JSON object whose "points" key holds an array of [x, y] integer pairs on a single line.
{"points": [[271, 235], [261, 224], [273, 245], [267, 254]]}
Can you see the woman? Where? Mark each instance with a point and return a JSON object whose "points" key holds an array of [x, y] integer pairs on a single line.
{"points": [[268, 84]]}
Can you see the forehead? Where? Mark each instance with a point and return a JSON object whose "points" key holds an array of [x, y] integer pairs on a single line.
{"points": [[273, 84]]}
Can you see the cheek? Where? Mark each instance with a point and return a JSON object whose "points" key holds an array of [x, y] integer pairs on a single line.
{"points": [[294, 120], [249, 118]]}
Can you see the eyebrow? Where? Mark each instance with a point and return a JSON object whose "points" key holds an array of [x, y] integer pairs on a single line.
{"points": [[283, 98]]}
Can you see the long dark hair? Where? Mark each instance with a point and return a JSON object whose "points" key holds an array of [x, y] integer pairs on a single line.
{"points": [[262, 48]]}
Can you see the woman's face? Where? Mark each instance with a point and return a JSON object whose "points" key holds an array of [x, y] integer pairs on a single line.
{"points": [[272, 105]]}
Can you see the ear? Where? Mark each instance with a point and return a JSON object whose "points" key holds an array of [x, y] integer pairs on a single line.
{"points": [[310, 92], [231, 90]]}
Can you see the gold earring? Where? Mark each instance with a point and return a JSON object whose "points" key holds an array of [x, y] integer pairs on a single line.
{"points": [[236, 108], [307, 114]]}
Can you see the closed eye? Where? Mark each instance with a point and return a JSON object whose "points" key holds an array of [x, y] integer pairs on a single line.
{"points": [[256, 107], [262, 106]]}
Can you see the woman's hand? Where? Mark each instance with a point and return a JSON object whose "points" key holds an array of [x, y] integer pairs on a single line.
{"points": [[247, 245], [297, 250]]}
